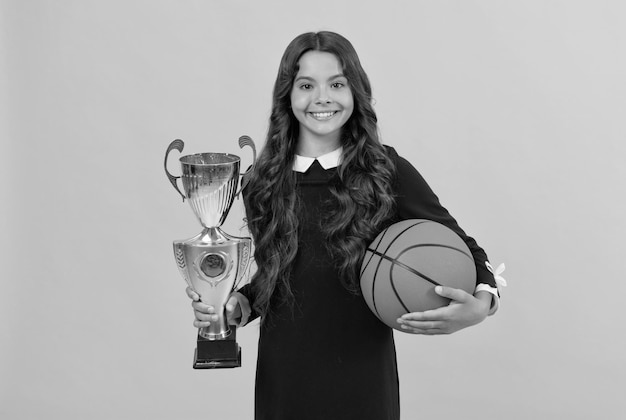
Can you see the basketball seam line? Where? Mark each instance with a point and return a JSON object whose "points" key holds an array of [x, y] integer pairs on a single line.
{"points": [[378, 265], [374, 278], [406, 267], [439, 246]]}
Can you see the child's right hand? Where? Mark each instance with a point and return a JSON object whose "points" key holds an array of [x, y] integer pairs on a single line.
{"points": [[237, 310]]}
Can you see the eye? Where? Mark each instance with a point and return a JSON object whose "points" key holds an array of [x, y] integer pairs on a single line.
{"points": [[337, 85], [306, 86]]}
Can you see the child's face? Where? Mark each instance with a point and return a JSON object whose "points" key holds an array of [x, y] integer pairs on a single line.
{"points": [[321, 99]]}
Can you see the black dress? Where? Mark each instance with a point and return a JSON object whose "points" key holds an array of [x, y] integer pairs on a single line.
{"points": [[327, 356]]}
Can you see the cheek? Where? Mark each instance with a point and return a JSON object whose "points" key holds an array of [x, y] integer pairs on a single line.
{"points": [[298, 99], [348, 100], [349, 106]]}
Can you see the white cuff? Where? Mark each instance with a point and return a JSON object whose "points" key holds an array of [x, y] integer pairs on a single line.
{"points": [[495, 299], [495, 291]]}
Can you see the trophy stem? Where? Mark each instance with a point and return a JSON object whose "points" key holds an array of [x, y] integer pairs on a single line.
{"points": [[214, 235]]}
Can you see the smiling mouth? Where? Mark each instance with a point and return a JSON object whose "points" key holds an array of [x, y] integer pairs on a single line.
{"points": [[321, 116]]}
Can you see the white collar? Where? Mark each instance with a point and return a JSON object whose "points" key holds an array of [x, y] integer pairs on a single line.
{"points": [[327, 161]]}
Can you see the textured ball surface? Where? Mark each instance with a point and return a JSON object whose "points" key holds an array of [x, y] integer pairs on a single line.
{"points": [[406, 261]]}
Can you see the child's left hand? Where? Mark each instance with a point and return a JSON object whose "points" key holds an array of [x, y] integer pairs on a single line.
{"points": [[463, 311]]}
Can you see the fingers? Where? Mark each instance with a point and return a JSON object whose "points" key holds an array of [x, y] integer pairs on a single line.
{"points": [[202, 307], [201, 324], [432, 322], [439, 314], [231, 304], [422, 327], [420, 331], [233, 313], [204, 314], [458, 314], [238, 309], [203, 320], [192, 295], [452, 293]]}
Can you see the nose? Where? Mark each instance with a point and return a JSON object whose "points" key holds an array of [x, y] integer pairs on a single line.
{"points": [[323, 97], [323, 100]]}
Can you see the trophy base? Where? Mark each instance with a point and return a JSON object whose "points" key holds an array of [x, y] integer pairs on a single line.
{"points": [[217, 354]]}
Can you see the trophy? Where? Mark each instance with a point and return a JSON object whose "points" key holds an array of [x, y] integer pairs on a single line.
{"points": [[212, 262]]}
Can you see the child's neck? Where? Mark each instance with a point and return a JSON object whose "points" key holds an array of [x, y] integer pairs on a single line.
{"points": [[316, 148]]}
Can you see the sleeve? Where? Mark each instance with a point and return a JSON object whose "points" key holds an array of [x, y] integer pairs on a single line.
{"points": [[416, 200]]}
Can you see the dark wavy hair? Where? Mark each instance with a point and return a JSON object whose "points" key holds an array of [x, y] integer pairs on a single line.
{"points": [[362, 188]]}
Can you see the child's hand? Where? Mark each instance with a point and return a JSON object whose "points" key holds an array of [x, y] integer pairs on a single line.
{"points": [[237, 310], [463, 311]]}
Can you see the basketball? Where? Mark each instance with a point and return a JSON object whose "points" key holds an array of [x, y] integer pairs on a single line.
{"points": [[406, 261]]}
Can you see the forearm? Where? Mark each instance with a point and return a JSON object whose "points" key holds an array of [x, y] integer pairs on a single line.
{"points": [[485, 299]]}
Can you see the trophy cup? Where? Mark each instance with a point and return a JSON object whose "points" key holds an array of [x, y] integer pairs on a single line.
{"points": [[212, 262]]}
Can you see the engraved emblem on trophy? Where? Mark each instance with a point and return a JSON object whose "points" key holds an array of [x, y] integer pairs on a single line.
{"points": [[212, 262]]}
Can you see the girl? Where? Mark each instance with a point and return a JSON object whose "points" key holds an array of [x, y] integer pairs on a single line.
{"points": [[322, 189]]}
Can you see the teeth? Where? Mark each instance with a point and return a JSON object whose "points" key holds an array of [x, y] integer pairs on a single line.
{"points": [[323, 114]]}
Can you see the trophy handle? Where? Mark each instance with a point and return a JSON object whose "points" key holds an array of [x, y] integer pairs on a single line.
{"points": [[245, 177], [244, 261], [178, 145]]}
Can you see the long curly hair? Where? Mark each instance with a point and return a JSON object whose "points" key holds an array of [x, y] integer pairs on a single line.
{"points": [[362, 187]]}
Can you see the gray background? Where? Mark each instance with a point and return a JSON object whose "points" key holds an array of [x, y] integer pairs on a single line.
{"points": [[512, 110]]}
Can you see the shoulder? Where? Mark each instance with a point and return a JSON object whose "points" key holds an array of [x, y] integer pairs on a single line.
{"points": [[391, 152], [398, 160], [403, 168]]}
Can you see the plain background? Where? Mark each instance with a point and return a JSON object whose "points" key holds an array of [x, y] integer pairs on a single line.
{"points": [[514, 111]]}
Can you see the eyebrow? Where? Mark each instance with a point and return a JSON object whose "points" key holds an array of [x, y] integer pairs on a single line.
{"points": [[312, 79]]}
